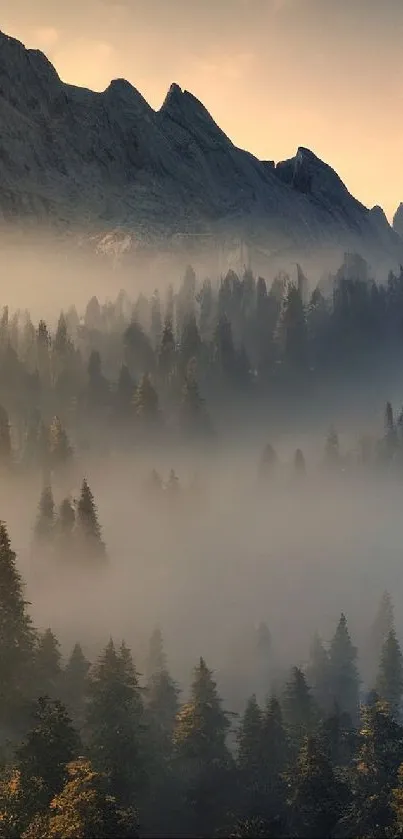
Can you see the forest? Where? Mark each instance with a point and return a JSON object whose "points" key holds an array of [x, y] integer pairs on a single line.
{"points": [[187, 645]]}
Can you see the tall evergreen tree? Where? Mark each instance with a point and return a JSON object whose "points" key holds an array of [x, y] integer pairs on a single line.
{"points": [[298, 707], [389, 684], [318, 674], [16, 638], [317, 796], [74, 686], [45, 521], [48, 665], [84, 808], [115, 722], [49, 746], [146, 404], [64, 530], [88, 530], [344, 678], [194, 418]]}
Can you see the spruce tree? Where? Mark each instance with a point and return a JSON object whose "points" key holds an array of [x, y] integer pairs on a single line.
{"points": [[156, 660], [16, 636], [202, 725], [60, 450], [146, 405], [64, 530], [203, 757], [167, 351], [84, 808], [48, 665], [318, 674], [344, 678], [115, 720], [88, 531], [374, 774], [195, 421], [45, 521], [74, 685], [381, 628], [249, 756], [317, 796], [51, 743], [298, 707], [389, 684]]}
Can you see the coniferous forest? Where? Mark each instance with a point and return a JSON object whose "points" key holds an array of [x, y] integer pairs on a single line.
{"points": [[200, 628]]}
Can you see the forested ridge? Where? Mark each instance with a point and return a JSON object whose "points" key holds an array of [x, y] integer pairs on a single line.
{"points": [[110, 744]]}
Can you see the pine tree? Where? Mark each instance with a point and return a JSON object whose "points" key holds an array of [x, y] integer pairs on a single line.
{"points": [[389, 684], [298, 707], [381, 628], [88, 531], [195, 421], [317, 796], [60, 451], [156, 319], [84, 808], [146, 404], [202, 725], [167, 351], [16, 636], [318, 674], [292, 335], [74, 685], [115, 722], [249, 756], [190, 342], [47, 664], [64, 530], [343, 670], [374, 774], [200, 741], [45, 521], [48, 747]]}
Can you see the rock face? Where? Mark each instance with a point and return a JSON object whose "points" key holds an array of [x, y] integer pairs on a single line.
{"points": [[398, 220], [108, 159]]}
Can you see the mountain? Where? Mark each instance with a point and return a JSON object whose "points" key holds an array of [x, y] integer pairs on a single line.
{"points": [[72, 157]]}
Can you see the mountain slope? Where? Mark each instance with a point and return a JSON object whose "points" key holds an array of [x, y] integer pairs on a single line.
{"points": [[107, 159]]}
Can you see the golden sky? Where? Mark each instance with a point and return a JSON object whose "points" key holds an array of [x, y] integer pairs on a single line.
{"points": [[274, 74]]}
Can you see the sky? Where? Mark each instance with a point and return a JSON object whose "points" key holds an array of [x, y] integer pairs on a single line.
{"points": [[274, 74]]}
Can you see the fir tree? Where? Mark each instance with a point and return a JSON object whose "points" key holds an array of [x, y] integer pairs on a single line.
{"points": [[114, 722], [318, 675], [45, 522], [84, 808], [74, 685], [167, 351], [65, 530], [298, 707], [48, 747], [374, 774], [194, 417], [317, 796], [146, 403], [88, 531], [381, 628], [16, 636], [343, 670], [389, 684], [250, 744], [47, 664], [60, 451], [156, 660]]}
